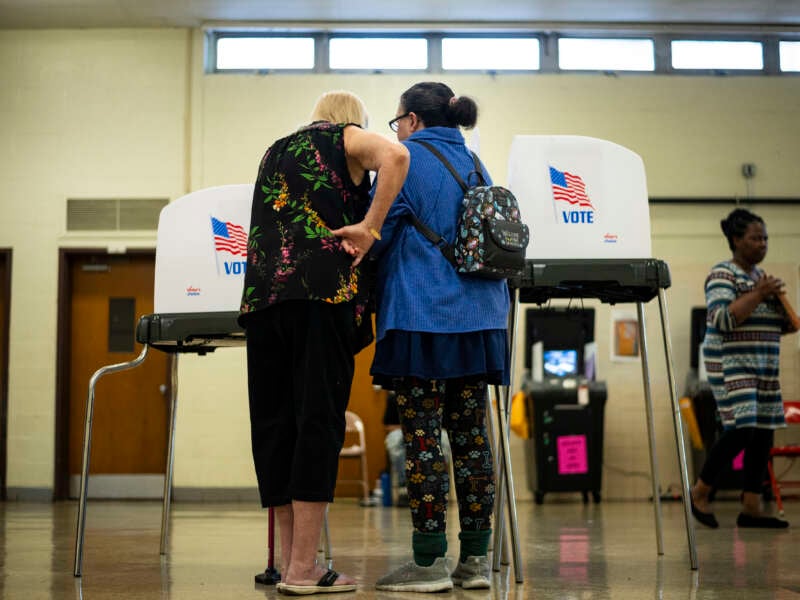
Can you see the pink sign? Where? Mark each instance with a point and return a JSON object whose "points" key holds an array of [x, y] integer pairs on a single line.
{"points": [[572, 456], [738, 461]]}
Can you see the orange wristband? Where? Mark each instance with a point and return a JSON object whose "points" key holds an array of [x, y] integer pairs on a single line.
{"points": [[375, 233]]}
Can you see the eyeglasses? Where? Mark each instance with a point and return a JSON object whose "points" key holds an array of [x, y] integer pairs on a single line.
{"points": [[394, 124]]}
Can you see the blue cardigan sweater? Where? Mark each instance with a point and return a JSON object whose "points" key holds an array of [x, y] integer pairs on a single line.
{"points": [[417, 289]]}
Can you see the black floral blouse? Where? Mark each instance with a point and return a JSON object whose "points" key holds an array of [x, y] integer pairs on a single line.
{"points": [[303, 191]]}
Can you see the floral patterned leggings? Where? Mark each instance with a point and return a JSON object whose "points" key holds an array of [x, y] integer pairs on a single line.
{"points": [[458, 405]]}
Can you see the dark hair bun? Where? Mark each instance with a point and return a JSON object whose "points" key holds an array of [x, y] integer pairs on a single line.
{"points": [[463, 111], [437, 106]]}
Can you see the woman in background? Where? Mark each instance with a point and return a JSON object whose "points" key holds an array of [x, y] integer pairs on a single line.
{"points": [[741, 351]]}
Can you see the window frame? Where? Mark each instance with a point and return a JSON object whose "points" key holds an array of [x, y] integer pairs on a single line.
{"points": [[548, 48]]}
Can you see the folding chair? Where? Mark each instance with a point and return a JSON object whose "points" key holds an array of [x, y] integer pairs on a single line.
{"points": [[354, 426]]}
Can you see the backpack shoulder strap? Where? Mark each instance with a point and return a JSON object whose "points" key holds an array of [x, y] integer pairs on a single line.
{"points": [[437, 240], [426, 231], [478, 171]]}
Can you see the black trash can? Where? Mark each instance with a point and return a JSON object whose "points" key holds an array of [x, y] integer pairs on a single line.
{"points": [[565, 453]]}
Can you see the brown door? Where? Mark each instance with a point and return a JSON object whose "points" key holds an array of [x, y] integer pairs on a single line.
{"points": [[129, 439]]}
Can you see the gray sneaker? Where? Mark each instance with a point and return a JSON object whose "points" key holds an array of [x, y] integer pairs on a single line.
{"points": [[474, 573], [413, 578]]}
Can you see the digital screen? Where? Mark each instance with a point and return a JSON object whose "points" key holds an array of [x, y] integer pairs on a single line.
{"points": [[561, 363]]}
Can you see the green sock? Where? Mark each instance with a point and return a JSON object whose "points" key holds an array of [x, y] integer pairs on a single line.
{"points": [[474, 543], [428, 547]]}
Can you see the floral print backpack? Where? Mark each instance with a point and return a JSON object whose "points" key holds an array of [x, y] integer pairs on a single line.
{"points": [[491, 238]]}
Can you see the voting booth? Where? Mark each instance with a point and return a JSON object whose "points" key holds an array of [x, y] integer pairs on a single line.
{"points": [[585, 201], [201, 255]]}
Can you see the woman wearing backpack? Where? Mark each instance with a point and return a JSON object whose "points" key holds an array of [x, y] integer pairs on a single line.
{"points": [[441, 340]]}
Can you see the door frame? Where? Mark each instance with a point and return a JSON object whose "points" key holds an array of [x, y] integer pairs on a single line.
{"points": [[6, 255], [65, 258]]}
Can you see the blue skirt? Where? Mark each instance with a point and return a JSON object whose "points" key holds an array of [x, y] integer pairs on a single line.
{"points": [[441, 356]]}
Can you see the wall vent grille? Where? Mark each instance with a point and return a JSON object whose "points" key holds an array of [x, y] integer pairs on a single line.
{"points": [[116, 214]]}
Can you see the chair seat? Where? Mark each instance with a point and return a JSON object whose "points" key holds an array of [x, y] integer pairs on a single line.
{"points": [[785, 451], [354, 450]]}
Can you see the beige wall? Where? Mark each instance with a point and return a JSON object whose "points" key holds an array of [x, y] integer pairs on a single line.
{"points": [[83, 114], [129, 113]]}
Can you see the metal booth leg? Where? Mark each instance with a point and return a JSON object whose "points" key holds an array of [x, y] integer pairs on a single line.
{"points": [[173, 409], [504, 479], [87, 451], [508, 487], [651, 437], [676, 420], [499, 545]]}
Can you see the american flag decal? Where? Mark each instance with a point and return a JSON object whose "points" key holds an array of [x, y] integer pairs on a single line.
{"points": [[229, 238], [569, 188]]}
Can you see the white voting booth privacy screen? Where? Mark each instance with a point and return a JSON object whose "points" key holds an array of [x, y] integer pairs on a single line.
{"points": [[201, 251], [582, 197]]}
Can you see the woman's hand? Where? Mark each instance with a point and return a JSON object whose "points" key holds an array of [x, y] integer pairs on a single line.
{"points": [[768, 286], [744, 305], [356, 240]]}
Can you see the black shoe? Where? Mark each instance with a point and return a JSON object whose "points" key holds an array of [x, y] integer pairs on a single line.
{"points": [[707, 519], [744, 520]]}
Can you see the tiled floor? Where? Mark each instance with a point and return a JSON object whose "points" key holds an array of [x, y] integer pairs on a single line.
{"points": [[568, 551]]}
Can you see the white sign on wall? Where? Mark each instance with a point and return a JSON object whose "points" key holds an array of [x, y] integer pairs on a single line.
{"points": [[201, 252], [582, 197]]}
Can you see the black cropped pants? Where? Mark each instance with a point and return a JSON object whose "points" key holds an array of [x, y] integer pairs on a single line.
{"points": [[299, 368]]}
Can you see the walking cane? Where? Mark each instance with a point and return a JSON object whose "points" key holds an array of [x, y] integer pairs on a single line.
{"points": [[270, 576]]}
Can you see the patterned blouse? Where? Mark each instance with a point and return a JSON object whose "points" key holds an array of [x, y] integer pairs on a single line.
{"points": [[742, 359], [302, 192]]}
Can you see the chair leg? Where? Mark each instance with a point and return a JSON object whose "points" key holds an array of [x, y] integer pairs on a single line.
{"points": [[776, 488], [364, 475]]}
